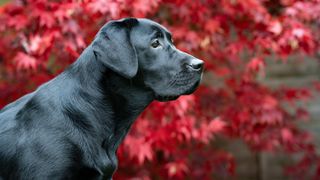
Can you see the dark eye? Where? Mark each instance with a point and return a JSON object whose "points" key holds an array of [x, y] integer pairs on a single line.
{"points": [[155, 43]]}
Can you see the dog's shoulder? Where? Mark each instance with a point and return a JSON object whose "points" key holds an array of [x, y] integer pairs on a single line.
{"points": [[34, 137], [9, 112]]}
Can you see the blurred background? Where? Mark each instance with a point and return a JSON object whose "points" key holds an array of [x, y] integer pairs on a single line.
{"points": [[256, 113]]}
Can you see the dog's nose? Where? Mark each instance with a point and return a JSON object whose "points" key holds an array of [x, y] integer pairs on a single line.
{"points": [[196, 64]]}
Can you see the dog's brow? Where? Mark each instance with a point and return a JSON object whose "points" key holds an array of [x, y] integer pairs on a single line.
{"points": [[159, 31]]}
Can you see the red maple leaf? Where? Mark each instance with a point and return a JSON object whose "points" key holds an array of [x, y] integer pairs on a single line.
{"points": [[25, 61]]}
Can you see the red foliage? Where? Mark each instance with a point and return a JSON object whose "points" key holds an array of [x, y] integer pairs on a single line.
{"points": [[39, 38]]}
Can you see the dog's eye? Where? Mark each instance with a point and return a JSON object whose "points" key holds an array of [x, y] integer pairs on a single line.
{"points": [[155, 43]]}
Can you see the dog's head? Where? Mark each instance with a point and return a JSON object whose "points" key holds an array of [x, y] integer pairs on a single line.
{"points": [[143, 49]]}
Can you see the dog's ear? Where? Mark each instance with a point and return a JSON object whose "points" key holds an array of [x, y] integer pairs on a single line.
{"points": [[112, 46]]}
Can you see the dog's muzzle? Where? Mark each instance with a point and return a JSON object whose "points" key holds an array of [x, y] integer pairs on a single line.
{"points": [[184, 82]]}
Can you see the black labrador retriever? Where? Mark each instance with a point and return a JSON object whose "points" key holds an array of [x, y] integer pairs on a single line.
{"points": [[71, 127]]}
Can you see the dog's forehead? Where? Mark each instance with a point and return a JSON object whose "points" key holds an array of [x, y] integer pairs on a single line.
{"points": [[151, 25]]}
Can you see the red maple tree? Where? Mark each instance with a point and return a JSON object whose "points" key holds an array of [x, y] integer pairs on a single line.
{"points": [[39, 38]]}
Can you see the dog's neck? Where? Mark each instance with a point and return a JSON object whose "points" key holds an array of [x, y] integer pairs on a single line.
{"points": [[125, 97]]}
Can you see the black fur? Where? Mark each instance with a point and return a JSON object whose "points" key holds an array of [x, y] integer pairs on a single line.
{"points": [[71, 127]]}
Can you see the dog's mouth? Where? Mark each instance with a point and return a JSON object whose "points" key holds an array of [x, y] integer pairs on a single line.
{"points": [[165, 98], [183, 83], [192, 89]]}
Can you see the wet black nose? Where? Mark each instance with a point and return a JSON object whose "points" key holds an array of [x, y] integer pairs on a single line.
{"points": [[196, 64]]}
